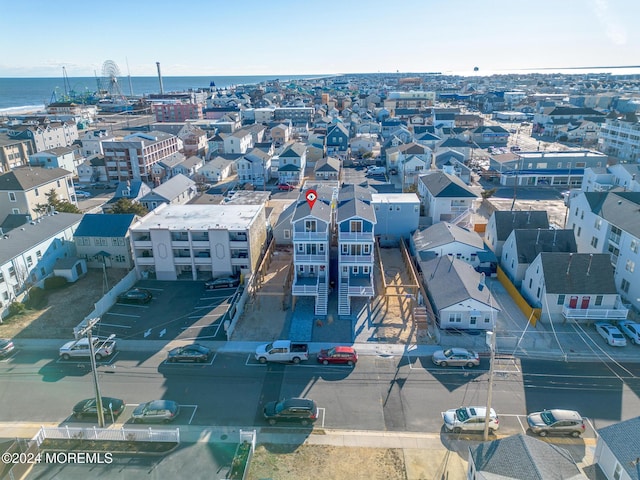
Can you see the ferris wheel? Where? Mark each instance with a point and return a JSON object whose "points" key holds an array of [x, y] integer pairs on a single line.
{"points": [[110, 83]]}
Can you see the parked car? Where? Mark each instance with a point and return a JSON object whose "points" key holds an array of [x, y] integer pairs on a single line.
{"points": [[459, 357], [135, 295], [566, 422], [156, 411], [282, 351], [515, 148], [222, 282], [100, 186], [470, 419], [303, 410], [372, 171], [189, 353], [6, 347], [102, 347], [89, 408], [82, 194], [631, 330], [611, 334], [393, 171], [286, 187], [340, 354]]}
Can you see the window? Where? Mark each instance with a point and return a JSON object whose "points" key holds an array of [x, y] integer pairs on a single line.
{"points": [[12, 272], [561, 299], [29, 261], [120, 258], [530, 282], [38, 254], [114, 242], [630, 266], [300, 247], [487, 318], [634, 246], [301, 268], [455, 317], [365, 269], [1, 277], [287, 234], [538, 293], [624, 286], [321, 247], [37, 193], [579, 231], [598, 223], [355, 226], [309, 225], [594, 242], [617, 473], [366, 249], [12, 197], [345, 249], [598, 300]]}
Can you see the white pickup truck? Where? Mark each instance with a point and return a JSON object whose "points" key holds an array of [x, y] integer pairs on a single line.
{"points": [[282, 351]]}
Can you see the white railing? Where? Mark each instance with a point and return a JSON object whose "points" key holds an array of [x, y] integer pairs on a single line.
{"points": [[310, 235], [303, 257], [119, 434], [356, 259], [304, 289], [360, 291], [355, 236], [595, 313]]}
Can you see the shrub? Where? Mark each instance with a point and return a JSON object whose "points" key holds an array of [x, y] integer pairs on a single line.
{"points": [[16, 308], [36, 299], [488, 193], [54, 282]]}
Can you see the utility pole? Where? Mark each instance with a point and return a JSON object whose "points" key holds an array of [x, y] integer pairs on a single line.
{"points": [[491, 341], [86, 330]]}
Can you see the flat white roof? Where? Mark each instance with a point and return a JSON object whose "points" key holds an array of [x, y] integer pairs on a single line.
{"points": [[394, 198], [199, 217]]}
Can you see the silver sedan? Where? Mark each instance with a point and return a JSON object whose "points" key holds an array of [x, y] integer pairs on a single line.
{"points": [[459, 357]]}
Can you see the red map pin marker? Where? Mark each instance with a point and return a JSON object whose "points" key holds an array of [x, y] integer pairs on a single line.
{"points": [[311, 197]]}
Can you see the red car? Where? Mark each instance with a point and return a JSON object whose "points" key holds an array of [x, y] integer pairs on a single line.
{"points": [[346, 355], [286, 187]]}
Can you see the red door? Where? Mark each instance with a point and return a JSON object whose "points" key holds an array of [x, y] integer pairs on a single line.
{"points": [[573, 301], [585, 303]]}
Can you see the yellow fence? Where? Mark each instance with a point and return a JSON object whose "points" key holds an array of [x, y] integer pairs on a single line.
{"points": [[533, 314]]}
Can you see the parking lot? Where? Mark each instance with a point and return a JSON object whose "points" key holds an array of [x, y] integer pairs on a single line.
{"points": [[179, 310]]}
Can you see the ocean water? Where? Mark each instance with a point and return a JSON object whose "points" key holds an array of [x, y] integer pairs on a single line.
{"points": [[18, 94]]}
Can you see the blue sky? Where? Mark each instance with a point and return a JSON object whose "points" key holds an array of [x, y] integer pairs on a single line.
{"points": [[280, 37]]}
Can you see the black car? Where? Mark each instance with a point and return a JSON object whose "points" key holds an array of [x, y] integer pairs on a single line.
{"points": [[135, 295], [88, 407], [189, 353], [222, 282], [302, 410], [6, 347]]}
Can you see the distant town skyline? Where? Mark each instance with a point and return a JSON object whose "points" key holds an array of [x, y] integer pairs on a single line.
{"points": [[286, 37]]}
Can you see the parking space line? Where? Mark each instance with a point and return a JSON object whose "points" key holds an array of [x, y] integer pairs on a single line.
{"points": [[412, 362], [200, 326], [210, 306], [249, 357], [524, 430], [6, 359], [203, 316], [132, 305], [122, 315], [217, 329], [154, 289], [323, 414], [114, 325], [195, 409]]}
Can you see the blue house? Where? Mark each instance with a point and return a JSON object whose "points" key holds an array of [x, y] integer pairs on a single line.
{"points": [[337, 140]]}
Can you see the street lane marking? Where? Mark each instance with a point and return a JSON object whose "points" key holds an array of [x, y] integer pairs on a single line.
{"points": [[123, 315]]}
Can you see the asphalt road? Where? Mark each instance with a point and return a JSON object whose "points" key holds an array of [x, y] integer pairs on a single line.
{"points": [[381, 393]]}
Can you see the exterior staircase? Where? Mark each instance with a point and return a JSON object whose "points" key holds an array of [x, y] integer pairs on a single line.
{"points": [[344, 302], [322, 298]]}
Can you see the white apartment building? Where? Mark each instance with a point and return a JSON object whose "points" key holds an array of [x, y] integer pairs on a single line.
{"points": [[620, 139], [197, 242], [608, 222]]}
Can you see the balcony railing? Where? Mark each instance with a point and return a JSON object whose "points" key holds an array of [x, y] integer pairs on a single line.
{"points": [[310, 235], [618, 313], [303, 257], [367, 259], [355, 236]]}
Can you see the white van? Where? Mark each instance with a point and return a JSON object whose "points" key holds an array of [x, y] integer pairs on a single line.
{"points": [[376, 171]]}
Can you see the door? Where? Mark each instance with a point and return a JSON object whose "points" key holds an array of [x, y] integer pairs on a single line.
{"points": [[573, 302], [585, 302]]}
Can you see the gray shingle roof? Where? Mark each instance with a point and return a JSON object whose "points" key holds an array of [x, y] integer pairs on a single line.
{"points": [[451, 281], [521, 457], [623, 439], [171, 188], [529, 243], [328, 164], [621, 209], [442, 185], [507, 221], [443, 233], [598, 280], [26, 178], [22, 239]]}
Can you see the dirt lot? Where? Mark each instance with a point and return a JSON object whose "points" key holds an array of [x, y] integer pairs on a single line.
{"points": [[64, 310], [310, 462]]}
